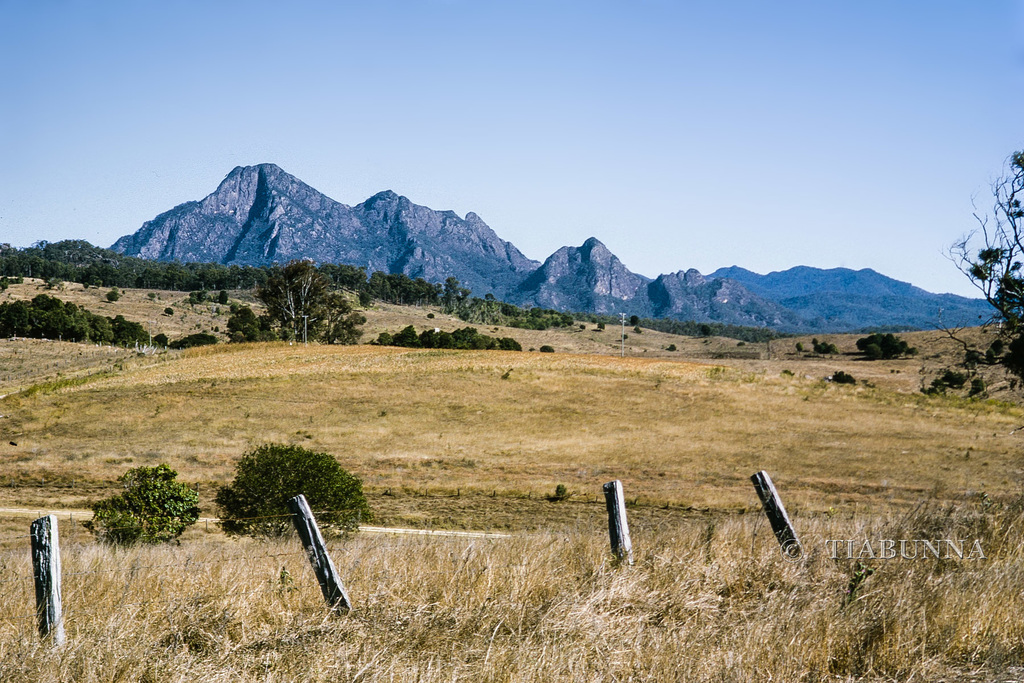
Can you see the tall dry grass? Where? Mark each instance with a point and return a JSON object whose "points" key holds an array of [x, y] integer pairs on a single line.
{"points": [[708, 600]]}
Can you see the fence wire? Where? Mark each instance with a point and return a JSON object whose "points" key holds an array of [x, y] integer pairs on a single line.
{"points": [[358, 569]]}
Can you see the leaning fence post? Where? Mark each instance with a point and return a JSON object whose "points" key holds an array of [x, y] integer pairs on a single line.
{"points": [[330, 583], [776, 514], [46, 572], [618, 527]]}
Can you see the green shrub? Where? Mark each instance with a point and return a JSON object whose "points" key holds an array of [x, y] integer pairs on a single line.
{"points": [[547, 349], [887, 346], [197, 339], [799, 347], [154, 508], [168, 311], [222, 297], [950, 379], [840, 377], [256, 502], [245, 326], [671, 347], [824, 348], [113, 295], [407, 337], [160, 339]]}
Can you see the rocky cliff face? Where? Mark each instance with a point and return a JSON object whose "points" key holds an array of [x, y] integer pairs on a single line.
{"points": [[691, 296], [260, 215], [584, 278]]}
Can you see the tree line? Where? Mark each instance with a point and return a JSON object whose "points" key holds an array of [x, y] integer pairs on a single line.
{"points": [[81, 262], [92, 266], [46, 317]]}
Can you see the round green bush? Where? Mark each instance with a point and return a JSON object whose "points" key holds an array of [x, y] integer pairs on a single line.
{"points": [[256, 502], [154, 508], [547, 349]]}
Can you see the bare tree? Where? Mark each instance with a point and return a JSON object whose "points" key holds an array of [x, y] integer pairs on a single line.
{"points": [[991, 257]]}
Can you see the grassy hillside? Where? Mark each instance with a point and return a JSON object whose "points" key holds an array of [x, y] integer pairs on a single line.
{"points": [[479, 440], [678, 433]]}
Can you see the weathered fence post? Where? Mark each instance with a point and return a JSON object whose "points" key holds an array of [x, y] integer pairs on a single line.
{"points": [[777, 516], [330, 583], [46, 571], [618, 527]]}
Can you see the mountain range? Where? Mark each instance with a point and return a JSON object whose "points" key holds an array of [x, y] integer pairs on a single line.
{"points": [[260, 215]]}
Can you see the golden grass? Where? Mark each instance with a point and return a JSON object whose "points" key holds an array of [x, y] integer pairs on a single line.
{"points": [[708, 600], [677, 433], [478, 440]]}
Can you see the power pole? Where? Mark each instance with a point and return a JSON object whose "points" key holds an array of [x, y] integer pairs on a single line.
{"points": [[622, 351]]}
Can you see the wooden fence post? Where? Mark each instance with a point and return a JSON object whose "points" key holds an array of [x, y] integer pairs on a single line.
{"points": [[776, 512], [330, 583], [618, 527], [46, 571]]}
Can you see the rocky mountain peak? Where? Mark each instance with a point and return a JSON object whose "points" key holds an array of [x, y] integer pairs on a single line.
{"points": [[261, 215]]}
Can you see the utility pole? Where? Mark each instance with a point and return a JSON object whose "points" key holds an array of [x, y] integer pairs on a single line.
{"points": [[622, 351]]}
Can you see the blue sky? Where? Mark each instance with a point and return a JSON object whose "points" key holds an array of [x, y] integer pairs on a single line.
{"points": [[682, 135]]}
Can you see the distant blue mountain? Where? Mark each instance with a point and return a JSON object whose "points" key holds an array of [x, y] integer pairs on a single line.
{"points": [[260, 215], [840, 299]]}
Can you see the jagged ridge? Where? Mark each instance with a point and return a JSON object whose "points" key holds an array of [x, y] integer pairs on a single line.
{"points": [[260, 215]]}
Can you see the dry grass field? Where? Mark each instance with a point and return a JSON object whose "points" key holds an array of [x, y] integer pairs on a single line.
{"points": [[707, 600], [479, 440], [679, 434]]}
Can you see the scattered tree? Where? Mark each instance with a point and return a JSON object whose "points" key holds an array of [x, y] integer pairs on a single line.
{"points": [[197, 339], [256, 501], [342, 325], [113, 295], [992, 258], [884, 347], [153, 508], [824, 348], [296, 295]]}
